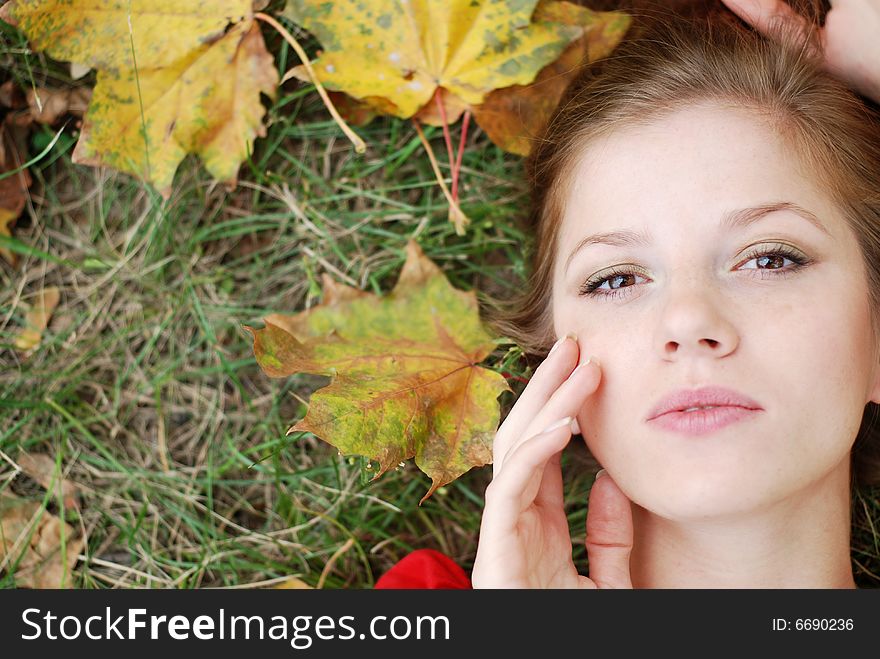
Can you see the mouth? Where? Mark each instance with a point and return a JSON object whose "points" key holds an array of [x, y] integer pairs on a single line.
{"points": [[700, 408], [692, 401], [698, 411]]}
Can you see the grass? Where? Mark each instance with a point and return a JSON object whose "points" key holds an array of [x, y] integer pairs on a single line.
{"points": [[145, 384], [145, 387]]}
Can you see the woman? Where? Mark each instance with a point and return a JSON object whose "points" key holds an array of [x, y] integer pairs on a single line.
{"points": [[742, 182], [707, 221]]}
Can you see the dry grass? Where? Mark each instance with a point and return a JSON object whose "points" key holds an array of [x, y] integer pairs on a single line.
{"points": [[146, 384]]}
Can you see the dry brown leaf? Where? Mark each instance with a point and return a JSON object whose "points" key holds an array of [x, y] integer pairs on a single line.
{"points": [[41, 468], [11, 96], [54, 103], [37, 319], [13, 189], [355, 112], [35, 536]]}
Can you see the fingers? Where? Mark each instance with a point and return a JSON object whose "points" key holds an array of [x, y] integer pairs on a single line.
{"points": [[609, 534], [849, 42], [550, 494], [557, 389], [767, 15], [544, 381], [517, 486], [569, 397]]}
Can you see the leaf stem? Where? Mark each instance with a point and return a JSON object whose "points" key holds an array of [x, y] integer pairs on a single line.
{"points": [[511, 376], [447, 137], [359, 145], [459, 218], [456, 170]]}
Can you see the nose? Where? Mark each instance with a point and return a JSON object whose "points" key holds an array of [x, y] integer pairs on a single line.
{"points": [[693, 323]]}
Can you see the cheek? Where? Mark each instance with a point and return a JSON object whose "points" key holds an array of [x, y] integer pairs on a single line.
{"points": [[826, 350], [611, 418]]}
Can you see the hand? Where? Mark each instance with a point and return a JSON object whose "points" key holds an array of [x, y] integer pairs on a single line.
{"points": [[850, 43], [524, 538]]}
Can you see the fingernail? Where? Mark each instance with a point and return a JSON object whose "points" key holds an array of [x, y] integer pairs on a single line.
{"points": [[558, 343], [590, 359], [557, 424], [599, 474]]}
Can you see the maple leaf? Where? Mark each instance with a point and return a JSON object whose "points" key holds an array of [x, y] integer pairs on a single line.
{"points": [[174, 77], [412, 48], [514, 117], [405, 379]]}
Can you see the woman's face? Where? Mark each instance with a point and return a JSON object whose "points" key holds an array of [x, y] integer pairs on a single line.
{"points": [[706, 301]]}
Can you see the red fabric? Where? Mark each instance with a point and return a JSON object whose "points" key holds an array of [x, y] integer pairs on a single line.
{"points": [[425, 568]]}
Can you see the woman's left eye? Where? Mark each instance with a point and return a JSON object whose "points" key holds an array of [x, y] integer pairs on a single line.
{"points": [[766, 259]]}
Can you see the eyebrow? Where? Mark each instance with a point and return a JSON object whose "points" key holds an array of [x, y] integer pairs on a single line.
{"points": [[736, 219]]}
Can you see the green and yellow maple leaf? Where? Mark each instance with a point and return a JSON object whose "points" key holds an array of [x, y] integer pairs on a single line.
{"points": [[412, 48], [406, 381], [174, 77]]}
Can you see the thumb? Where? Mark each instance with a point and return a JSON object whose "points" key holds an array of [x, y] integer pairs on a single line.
{"points": [[609, 534]]}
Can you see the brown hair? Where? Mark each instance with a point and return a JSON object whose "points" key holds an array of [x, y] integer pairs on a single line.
{"points": [[703, 52]]}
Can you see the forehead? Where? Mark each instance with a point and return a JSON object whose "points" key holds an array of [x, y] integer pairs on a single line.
{"points": [[702, 159]]}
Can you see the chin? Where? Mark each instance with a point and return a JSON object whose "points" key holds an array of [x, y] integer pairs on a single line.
{"points": [[699, 497]]}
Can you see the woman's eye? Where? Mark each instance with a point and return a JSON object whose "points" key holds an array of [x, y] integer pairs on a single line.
{"points": [[769, 261], [622, 278], [773, 259], [617, 283]]}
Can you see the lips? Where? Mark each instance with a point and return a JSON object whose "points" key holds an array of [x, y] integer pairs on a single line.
{"points": [[705, 397]]}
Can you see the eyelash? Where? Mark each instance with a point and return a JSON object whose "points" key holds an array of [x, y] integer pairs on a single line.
{"points": [[590, 288]]}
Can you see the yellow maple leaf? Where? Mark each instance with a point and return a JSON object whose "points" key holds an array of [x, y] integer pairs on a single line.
{"points": [[102, 33], [405, 377], [513, 117], [173, 78], [468, 47]]}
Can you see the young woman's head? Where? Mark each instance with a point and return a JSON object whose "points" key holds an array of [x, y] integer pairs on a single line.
{"points": [[706, 212]]}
